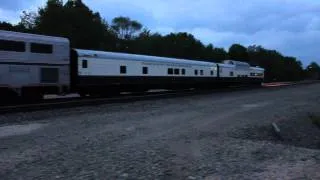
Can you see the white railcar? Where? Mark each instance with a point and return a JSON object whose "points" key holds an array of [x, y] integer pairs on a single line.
{"points": [[98, 63], [107, 70], [32, 65], [256, 72], [242, 69], [227, 71]]}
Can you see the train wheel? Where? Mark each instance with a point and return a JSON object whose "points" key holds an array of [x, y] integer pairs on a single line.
{"points": [[83, 94], [8, 97], [139, 91], [31, 95]]}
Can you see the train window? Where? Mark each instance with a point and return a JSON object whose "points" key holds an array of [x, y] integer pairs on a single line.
{"points": [[84, 63], [176, 71], [231, 73], [183, 71], [201, 72], [17, 46], [144, 70], [211, 72], [170, 71], [196, 72], [123, 69], [41, 48], [49, 75]]}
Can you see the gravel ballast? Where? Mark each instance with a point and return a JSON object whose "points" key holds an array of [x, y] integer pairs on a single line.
{"points": [[216, 136]]}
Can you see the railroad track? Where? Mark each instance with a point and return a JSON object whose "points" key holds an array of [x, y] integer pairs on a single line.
{"points": [[78, 102]]}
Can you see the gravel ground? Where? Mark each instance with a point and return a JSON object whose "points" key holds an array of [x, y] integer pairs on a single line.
{"points": [[296, 131], [216, 136]]}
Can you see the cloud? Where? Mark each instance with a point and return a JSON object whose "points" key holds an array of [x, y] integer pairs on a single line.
{"points": [[8, 16], [289, 26], [10, 10], [16, 4]]}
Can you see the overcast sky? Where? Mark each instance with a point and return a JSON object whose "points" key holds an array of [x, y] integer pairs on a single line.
{"points": [[289, 26]]}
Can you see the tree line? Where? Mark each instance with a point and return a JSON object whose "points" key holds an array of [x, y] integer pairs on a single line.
{"points": [[88, 30]]}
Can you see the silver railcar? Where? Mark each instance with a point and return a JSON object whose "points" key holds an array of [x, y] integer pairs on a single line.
{"points": [[32, 65]]}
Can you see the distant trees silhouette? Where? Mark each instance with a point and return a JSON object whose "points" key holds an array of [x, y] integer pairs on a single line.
{"points": [[87, 29]]}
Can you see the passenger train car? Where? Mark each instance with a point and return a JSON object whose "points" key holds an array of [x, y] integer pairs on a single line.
{"points": [[32, 65]]}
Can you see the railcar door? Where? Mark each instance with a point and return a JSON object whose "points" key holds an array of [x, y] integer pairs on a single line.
{"points": [[218, 71]]}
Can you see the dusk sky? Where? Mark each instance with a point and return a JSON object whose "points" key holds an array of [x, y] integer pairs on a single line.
{"points": [[289, 26]]}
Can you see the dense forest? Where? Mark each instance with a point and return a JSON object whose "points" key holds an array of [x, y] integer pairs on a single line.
{"points": [[88, 30]]}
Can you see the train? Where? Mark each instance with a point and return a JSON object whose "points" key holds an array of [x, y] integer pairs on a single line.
{"points": [[32, 65]]}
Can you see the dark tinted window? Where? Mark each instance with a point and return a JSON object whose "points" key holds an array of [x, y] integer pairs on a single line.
{"points": [[16, 46], [84, 63], [195, 72], [231, 73], [41, 48], [201, 72], [183, 71], [144, 70], [123, 69], [49, 75], [176, 71], [211, 72], [170, 71]]}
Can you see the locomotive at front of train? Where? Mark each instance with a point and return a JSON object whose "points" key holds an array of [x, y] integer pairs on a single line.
{"points": [[239, 73]]}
